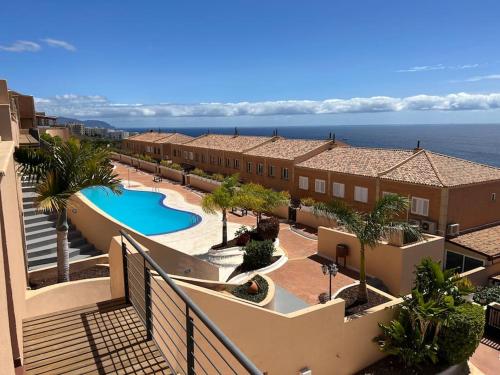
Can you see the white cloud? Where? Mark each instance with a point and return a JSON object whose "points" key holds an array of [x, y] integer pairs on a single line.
{"points": [[426, 68], [59, 44], [22, 46], [483, 78], [96, 106]]}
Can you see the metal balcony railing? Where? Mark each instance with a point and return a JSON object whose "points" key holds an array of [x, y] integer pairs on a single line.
{"points": [[190, 342]]}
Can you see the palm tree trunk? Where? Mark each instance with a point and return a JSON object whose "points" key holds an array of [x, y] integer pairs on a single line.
{"points": [[362, 291], [62, 247], [224, 227]]}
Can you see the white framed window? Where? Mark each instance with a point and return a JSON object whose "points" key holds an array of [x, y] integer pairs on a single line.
{"points": [[271, 171], [260, 169], [185, 153], [420, 206], [219, 160], [319, 186], [361, 194], [249, 167], [338, 190], [236, 163], [284, 173], [493, 197], [303, 183], [228, 162]]}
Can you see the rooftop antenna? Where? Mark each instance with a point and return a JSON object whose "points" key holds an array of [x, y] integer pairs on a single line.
{"points": [[330, 135], [276, 132], [333, 138], [236, 131]]}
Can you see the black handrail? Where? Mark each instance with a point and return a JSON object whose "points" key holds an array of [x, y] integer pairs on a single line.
{"points": [[191, 305]]}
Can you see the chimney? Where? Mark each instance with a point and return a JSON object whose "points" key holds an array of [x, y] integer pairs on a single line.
{"points": [[276, 132], [236, 131], [417, 149]]}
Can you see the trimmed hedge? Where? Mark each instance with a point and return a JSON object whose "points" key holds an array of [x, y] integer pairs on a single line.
{"points": [[460, 338], [241, 290], [258, 254]]}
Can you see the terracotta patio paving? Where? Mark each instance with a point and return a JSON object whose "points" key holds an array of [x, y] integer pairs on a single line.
{"points": [[487, 356]]}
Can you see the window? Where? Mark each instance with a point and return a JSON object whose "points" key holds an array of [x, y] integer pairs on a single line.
{"points": [[386, 193], [461, 263], [319, 186], [185, 154], [284, 173], [219, 160], [338, 190], [493, 197], [360, 194], [249, 167], [196, 156], [228, 162], [260, 169], [202, 158], [191, 156], [419, 206], [236, 163], [271, 171], [303, 183]]}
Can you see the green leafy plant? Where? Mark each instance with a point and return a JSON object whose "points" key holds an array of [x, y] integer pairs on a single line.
{"points": [[487, 295], [258, 254], [370, 227], [257, 198], [308, 202], [199, 172], [218, 177], [461, 336], [242, 235]]}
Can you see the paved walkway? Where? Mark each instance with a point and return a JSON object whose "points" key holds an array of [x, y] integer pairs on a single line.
{"points": [[487, 356]]}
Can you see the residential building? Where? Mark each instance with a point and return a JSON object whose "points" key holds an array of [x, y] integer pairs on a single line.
{"points": [[217, 153], [44, 120], [118, 135], [25, 105], [272, 163], [156, 145], [437, 185], [96, 132], [76, 128]]}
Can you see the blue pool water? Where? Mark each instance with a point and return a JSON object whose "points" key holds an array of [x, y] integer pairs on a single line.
{"points": [[142, 211]]}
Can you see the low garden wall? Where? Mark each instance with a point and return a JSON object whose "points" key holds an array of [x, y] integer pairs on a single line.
{"points": [[306, 216], [281, 212], [171, 174], [100, 230], [202, 183], [479, 276], [391, 264], [65, 296], [138, 163]]}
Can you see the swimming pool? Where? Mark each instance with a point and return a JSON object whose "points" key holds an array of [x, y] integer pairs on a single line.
{"points": [[142, 211]]}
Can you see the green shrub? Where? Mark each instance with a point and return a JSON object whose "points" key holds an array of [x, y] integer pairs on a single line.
{"points": [[460, 337], [241, 290], [308, 202], [199, 172], [218, 177], [165, 163], [257, 254], [171, 165], [268, 229], [487, 295]]}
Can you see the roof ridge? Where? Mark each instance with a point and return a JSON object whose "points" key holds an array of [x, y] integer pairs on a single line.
{"points": [[397, 165], [464, 160], [434, 168]]}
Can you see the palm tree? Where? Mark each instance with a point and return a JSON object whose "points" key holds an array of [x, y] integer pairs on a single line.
{"points": [[370, 227], [60, 171], [261, 200], [222, 198]]}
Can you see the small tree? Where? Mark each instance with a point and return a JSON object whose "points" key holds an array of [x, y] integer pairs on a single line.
{"points": [[369, 227], [60, 171], [260, 200], [222, 198]]}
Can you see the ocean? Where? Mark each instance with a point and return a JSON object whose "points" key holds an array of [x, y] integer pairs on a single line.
{"points": [[479, 143]]}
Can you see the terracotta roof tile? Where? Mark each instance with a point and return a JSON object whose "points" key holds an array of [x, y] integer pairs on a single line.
{"points": [[148, 136], [288, 149], [357, 160], [228, 142], [484, 241], [175, 138]]}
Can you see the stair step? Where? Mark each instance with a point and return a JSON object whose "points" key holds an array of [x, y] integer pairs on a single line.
{"points": [[52, 249], [50, 230], [28, 188], [32, 211], [38, 218], [51, 259], [33, 227], [50, 237]]}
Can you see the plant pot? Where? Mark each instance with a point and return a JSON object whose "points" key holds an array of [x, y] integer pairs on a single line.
{"points": [[252, 287]]}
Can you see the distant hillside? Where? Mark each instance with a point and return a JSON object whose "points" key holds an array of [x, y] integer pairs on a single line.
{"points": [[87, 123]]}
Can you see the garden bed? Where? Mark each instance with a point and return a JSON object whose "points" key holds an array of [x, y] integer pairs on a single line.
{"points": [[88, 273], [240, 269], [392, 366], [350, 294], [241, 290]]}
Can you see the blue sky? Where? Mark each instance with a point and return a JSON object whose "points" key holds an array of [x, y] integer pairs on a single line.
{"points": [[158, 63]]}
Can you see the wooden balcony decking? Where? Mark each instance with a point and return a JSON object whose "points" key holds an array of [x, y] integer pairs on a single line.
{"points": [[107, 338]]}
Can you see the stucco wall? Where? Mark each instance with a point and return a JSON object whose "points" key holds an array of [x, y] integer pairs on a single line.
{"points": [[306, 216], [201, 183], [171, 174], [393, 265], [479, 276], [13, 273], [65, 296]]}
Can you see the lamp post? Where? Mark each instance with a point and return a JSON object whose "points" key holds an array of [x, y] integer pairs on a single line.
{"points": [[330, 269]]}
